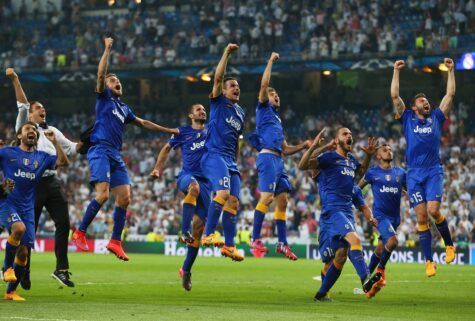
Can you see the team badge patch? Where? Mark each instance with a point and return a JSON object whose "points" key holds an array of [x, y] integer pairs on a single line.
{"points": [[429, 120], [26, 161], [388, 177], [397, 178], [347, 226]]}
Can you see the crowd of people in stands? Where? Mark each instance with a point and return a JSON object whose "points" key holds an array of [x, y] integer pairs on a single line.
{"points": [[61, 34], [155, 211]]}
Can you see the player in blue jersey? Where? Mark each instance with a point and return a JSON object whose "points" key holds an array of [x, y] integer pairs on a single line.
{"points": [[274, 183], [108, 170], [328, 248], [387, 183], [422, 128], [337, 168], [191, 181], [226, 123], [25, 166]]}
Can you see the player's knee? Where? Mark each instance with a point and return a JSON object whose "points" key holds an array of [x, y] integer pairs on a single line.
{"points": [[433, 211], [281, 203], [379, 249], [392, 243], [266, 198], [102, 196], [233, 202], [123, 201], [353, 239], [223, 195], [194, 189], [340, 258], [18, 229]]}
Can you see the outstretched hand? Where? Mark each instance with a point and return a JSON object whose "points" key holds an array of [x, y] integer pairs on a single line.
{"points": [[449, 63], [10, 73], [108, 42], [156, 173], [399, 64], [231, 47], [372, 146]]}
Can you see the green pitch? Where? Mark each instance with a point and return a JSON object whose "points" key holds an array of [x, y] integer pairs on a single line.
{"points": [[148, 288]]}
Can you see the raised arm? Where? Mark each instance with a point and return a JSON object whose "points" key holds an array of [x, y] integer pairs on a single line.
{"points": [[309, 159], [147, 124], [221, 70], [161, 161], [102, 68], [397, 100], [447, 101], [22, 101], [69, 147], [290, 150], [263, 94], [63, 160], [369, 150]]}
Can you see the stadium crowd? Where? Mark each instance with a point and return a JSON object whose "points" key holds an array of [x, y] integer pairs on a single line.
{"points": [[57, 34], [155, 210]]}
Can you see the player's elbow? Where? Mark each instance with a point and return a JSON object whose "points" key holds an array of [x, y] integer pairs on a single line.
{"points": [[303, 166]]}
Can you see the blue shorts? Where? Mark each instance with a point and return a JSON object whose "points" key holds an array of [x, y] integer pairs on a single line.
{"points": [[106, 165], [9, 215], [272, 175], [425, 184], [387, 226], [328, 246], [204, 199], [334, 225], [222, 173]]}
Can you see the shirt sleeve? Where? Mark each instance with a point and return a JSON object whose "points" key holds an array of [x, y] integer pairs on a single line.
{"points": [[106, 94], [324, 160], [130, 117], [368, 176], [217, 101], [22, 116], [404, 116], [68, 146], [439, 115], [265, 104], [357, 197], [176, 140], [404, 183], [50, 161]]}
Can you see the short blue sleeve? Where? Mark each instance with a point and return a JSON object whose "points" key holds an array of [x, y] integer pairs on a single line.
{"points": [[176, 140], [405, 115], [217, 101], [324, 160], [130, 117], [439, 116], [357, 197], [265, 104], [369, 176], [106, 94]]}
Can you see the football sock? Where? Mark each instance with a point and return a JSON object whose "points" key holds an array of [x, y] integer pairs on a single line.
{"points": [[385, 255], [259, 215], [373, 262], [229, 226], [280, 220], [330, 278], [444, 231], [214, 212], [119, 223], [357, 258], [20, 268], [426, 241], [91, 212], [189, 206], [10, 252], [191, 255]]}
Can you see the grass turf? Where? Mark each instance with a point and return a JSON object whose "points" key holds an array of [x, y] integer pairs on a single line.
{"points": [[148, 288]]}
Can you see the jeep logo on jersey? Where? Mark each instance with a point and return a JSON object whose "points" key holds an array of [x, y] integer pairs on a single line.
{"points": [[119, 115], [386, 189], [420, 130], [197, 145], [234, 123], [23, 174], [345, 171]]}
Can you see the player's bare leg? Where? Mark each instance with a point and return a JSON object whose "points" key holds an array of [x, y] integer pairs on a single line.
{"points": [[257, 247], [425, 237], [102, 195], [122, 201], [280, 217], [229, 226], [209, 237], [433, 208], [185, 270]]}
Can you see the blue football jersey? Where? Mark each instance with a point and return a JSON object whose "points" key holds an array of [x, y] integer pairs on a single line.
{"points": [[336, 180], [26, 169], [386, 185], [226, 124], [270, 133], [357, 197], [422, 138], [111, 117], [191, 143]]}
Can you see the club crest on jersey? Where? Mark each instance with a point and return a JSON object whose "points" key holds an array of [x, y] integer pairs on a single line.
{"points": [[388, 177], [397, 179], [26, 161], [35, 164], [429, 120]]}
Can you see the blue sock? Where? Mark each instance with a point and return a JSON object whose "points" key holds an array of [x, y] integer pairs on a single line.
{"points": [[10, 252], [330, 278], [357, 258], [214, 212], [90, 214], [426, 243], [119, 223], [322, 276], [444, 231], [19, 272], [191, 255], [281, 231], [385, 255], [258, 221], [189, 206], [229, 227], [373, 262]]}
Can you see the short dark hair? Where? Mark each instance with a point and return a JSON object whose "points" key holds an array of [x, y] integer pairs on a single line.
{"points": [[270, 89], [33, 102], [337, 131], [18, 132], [111, 75], [226, 79], [419, 95]]}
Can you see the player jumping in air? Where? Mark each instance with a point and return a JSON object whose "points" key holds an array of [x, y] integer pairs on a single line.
{"points": [[226, 123], [274, 183], [422, 128], [108, 170], [192, 182], [387, 183], [337, 168], [25, 166]]}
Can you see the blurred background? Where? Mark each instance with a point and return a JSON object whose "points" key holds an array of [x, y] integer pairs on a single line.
{"points": [[335, 69]]}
